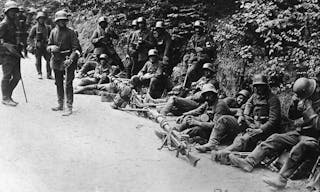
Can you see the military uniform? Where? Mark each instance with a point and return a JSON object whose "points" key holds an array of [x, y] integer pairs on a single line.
{"points": [[10, 62], [38, 37], [68, 44]]}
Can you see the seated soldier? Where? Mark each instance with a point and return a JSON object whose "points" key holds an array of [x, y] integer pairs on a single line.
{"points": [[152, 75], [209, 76], [89, 66], [200, 121], [261, 118], [303, 142], [226, 127]]}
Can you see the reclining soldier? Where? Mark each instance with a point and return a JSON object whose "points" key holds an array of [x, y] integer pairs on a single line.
{"points": [[200, 121], [226, 127], [303, 142], [152, 75], [261, 116]]}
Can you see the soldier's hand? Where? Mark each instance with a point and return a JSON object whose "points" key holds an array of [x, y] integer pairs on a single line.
{"points": [[67, 63], [295, 99], [180, 119], [253, 132], [53, 49]]}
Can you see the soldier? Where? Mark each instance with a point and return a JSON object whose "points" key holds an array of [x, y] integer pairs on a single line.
{"points": [[203, 49], [48, 20], [261, 116], [23, 29], [38, 38], [141, 42], [209, 76], [102, 41], [163, 39], [226, 127], [129, 57], [10, 56], [303, 142], [65, 49]]}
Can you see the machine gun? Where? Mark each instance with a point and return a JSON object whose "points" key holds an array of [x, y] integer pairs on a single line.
{"points": [[174, 140]]}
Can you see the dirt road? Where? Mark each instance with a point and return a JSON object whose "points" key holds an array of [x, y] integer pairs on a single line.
{"points": [[97, 149]]}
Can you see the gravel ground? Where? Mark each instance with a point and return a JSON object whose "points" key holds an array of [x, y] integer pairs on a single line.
{"points": [[98, 149]]}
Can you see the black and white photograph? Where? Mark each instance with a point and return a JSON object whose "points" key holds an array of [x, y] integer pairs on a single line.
{"points": [[160, 96]]}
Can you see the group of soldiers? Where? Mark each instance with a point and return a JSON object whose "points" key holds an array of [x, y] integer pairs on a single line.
{"points": [[248, 122]]}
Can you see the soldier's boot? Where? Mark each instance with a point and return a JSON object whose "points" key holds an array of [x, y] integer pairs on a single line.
{"points": [[67, 112], [168, 107], [14, 101], [280, 181], [222, 156], [59, 107], [9, 102], [211, 145], [244, 164]]}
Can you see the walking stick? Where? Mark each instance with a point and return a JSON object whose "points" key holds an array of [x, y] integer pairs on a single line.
{"points": [[24, 90]]}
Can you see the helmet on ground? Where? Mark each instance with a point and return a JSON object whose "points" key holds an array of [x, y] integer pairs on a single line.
{"points": [[102, 19], [103, 56], [134, 22], [209, 88], [209, 66], [304, 87], [159, 24], [40, 14], [198, 24], [61, 15], [260, 79], [10, 5], [141, 20], [244, 93], [153, 52]]}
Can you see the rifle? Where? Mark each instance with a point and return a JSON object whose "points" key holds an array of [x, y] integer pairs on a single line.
{"points": [[173, 139]]}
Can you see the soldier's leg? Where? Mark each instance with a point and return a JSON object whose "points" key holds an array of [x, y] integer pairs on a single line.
{"points": [[58, 75], [118, 61], [137, 66], [69, 85], [16, 76], [156, 87], [181, 105], [226, 126], [38, 55], [46, 55], [274, 144]]}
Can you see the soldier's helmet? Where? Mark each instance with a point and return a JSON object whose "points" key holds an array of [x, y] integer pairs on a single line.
{"points": [[141, 20], [134, 22], [61, 15], [209, 88], [198, 24], [21, 9], [103, 56], [40, 14], [304, 87], [10, 5], [259, 79], [102, 19], [160, 24], [244, 93], [209, 66], [153, 52]]}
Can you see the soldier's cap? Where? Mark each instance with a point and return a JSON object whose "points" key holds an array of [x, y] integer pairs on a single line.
{"points": [[9, 5], [209, 88], [244, 93], [40, 14], [209, 66], [259, 79], [304, 87], [159, 24], [153, 52], [141, 20], [61, 15]]}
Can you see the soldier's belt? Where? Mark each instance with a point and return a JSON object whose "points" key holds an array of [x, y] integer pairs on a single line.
{"points": [[260, 118]]}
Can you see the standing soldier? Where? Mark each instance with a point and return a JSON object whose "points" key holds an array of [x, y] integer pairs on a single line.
{"points": [[9, 54], [65, 48], [203, 51], [38, 38], [102, 41], [163, 39], [141, 42], [129, 56], [48, 20]]}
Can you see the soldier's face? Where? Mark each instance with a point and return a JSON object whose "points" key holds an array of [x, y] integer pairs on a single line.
{"points": [[207, 73], [260, 89], [62, 23], [153, 58], [240, 99], [142, 25], [103, 25], [210, 97], [12, 13], [41, 20]]}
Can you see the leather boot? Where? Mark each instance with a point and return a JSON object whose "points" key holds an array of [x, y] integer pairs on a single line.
{"points": [[9, 102], [278, 181], [207, 147], [67, 112], [58, 108], [241, 163]]}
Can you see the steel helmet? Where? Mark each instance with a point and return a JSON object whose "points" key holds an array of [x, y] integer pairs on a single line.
{"points": [[102, 19], [134, 22], [208, 88], [153, 52], [103, 56], [40, 14], [21, 9], [244, 93], [209, 66], [304, 87], [141, 20], [259, 79], [159, 24], [197, 24], [61, 15], [10, 5]]}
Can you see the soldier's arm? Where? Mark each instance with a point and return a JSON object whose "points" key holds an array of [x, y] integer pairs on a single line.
{"points": [[168, 45], [198, 111], [32, 35], [76, 48], [143, 70], [150, 41], [3, 29], [95, 37], [247, 111], [274, 115], [294, 113]]}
